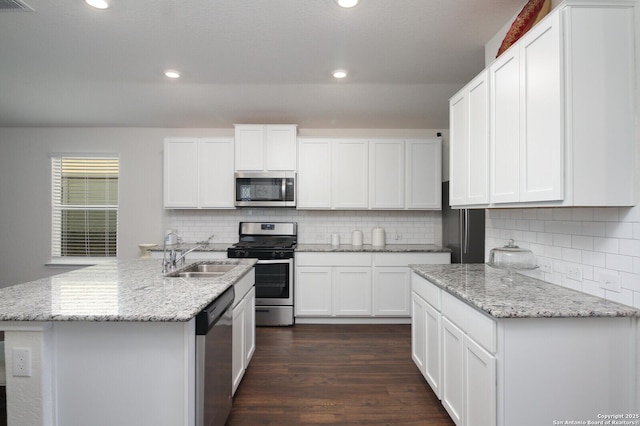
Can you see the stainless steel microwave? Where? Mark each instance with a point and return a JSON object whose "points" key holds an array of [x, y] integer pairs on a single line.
{"points": [[268, 189]]}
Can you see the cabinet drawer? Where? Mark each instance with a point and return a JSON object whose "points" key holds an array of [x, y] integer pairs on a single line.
{"points": [[406, 259], [474, 323], [429, 292], [333, 259]]}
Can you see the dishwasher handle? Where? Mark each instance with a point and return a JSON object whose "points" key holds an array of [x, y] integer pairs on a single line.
{"points": [[208, 317]]}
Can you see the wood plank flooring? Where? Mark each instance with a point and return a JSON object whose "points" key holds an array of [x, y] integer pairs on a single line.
{"points": [[335, 374]]}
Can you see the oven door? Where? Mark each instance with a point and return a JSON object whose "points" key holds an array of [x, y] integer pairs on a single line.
{"points": [[274, 282]]}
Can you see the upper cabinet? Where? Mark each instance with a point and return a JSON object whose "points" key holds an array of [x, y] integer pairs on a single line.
{"points": [[380, 174], [270, 147], [469, 144], [198, 173], [560, 119]]}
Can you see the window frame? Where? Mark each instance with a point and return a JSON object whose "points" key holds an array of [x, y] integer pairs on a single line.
{"points": [[56, 211]]}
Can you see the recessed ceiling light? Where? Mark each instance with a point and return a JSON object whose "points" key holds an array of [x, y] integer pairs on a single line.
{"points": [[340, 73], [172, 74], [347, 3], [98, 4]]}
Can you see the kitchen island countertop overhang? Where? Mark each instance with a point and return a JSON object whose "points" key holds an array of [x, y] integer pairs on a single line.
{"points": [[121, 290]]}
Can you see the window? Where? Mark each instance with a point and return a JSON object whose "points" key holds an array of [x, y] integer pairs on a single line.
{"points": [[84, 207]]}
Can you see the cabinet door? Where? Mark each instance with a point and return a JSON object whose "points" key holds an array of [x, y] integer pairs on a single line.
{"points": [[479, 385], [452, 370], [458, 137], [424, 174], [350, 174], [418, 331], [238, 343], [505, 123], [313, 291], [314, 177], [280, 147], [352, 291], [542, 136], [387, 175], [433, 366], [249, 326], [477, 146], [391, 291], [181, 173], [249, 142], [215, 165]]}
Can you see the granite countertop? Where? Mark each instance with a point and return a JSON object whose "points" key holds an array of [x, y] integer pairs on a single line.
{"points": [[483, 288], [121, 290], [388, 248]]}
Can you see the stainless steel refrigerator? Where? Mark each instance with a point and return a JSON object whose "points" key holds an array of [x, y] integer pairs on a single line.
{"points": [[462, 231]]}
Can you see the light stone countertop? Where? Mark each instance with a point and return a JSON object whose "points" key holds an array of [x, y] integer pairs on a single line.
{"points": [[388, 248], [121, 290], [483, 287]]}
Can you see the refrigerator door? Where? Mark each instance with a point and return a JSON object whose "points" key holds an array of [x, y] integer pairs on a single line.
{"points": [[462, 231]]}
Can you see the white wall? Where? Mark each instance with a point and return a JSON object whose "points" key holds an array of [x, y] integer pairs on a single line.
{"points": [[25, 191]]}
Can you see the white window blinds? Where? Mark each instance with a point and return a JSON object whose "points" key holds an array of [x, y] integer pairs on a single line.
{"points": [[84, 206]]}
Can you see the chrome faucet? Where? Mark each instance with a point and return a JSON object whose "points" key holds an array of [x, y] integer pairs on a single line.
{"points": [[171, 262], [183, 255]]}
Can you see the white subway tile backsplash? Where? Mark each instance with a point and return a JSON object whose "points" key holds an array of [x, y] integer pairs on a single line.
{"points": [[401, 227], [596, 240]]}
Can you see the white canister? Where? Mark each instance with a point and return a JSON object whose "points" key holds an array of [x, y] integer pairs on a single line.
{"points": [[335, 240], [356, 238], [377, 237], [170, 237]]}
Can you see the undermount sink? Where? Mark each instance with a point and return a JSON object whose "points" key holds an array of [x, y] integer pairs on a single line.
{"points": [[202, 270]]}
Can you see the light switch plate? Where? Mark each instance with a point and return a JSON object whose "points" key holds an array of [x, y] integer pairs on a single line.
{"points": [[610, 282]]}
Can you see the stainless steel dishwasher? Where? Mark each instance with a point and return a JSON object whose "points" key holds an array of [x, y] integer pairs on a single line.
{"points": [[213, 361]]}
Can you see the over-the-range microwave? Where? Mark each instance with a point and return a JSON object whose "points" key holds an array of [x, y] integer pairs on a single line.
{"points": [[265, 189]]}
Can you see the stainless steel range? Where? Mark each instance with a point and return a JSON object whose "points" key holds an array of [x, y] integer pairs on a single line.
{"points": [[273, 244]]}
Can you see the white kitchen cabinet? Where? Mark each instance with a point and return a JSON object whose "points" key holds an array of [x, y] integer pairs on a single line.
{"points": [[391, 291], [198, 173], [562, 111], [181, 173], [377, 174], [346, 285], [244, 325], [423, 175], [313, 290], [268, 147], [452, 371], [479, 384], [425, 337], [387, 174], [352, 291], [350, 174], [527, 142], [469, 144], [493, 370], [314, 177]]}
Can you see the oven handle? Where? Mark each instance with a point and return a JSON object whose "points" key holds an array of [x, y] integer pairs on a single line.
{"points": [[271, 262]]}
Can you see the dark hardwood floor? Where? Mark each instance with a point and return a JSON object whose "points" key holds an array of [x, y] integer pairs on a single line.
{"points": [[335, 375]]}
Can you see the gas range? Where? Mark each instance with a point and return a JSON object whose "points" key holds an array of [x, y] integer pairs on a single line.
{"points": [[273, 244]]}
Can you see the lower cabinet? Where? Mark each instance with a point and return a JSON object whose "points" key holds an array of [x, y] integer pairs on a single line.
{"points": [[520, 371], [342, 285], [244, 326]]}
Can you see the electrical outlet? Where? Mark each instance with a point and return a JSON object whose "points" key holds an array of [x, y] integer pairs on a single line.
{"points": [[21, 362], [574, 273], [545, 265], [610, 282]]}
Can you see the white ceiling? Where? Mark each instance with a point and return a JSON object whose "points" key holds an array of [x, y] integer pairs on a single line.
{"points": [[242, 61]]}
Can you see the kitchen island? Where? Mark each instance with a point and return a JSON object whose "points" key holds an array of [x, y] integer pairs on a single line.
{"points": [[526, 352], [109, 344]]}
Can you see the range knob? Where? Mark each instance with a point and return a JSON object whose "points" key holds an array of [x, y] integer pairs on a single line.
{"points": [[242, 253], [277, 254]]}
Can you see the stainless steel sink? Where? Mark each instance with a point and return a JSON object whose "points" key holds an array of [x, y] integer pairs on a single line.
{"points": [[203, 270]]}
